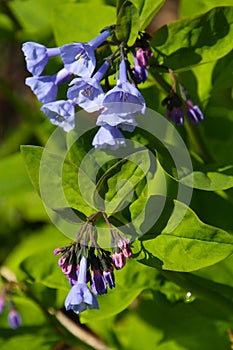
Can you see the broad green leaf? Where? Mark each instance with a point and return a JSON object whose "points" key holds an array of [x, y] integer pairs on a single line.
{"points": [[127, 24], [118, 183], [192, 245], [187, 8], [55, 179], [209, 181], [48, 274], [31, 244], [32, 157], [34, 16], [147, 10], [171, 326], [80, 22], [204, 38], [10, 182]]}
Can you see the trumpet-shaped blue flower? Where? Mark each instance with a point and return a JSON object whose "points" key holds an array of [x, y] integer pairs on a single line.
{"points": [[80, 297], [110, 136], [79, 58], [129, 99], [37, 55], [87, 92], [61, 113], [125, 122], [45, 87]]}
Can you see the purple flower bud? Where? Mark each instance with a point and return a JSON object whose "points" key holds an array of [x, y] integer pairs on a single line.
{"points": [[140, 73], [143, 56], [194, 113], [124, 245], [109, 278], [174, 110], [118, 260], [73, 276], [2, 302], [66, 269], [14, 319], [61, 261], [57, 251], [98, 283]]}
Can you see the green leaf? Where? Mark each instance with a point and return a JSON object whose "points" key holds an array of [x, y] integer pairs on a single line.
{"points": [[49, 274], [127, 24], [119, 182], [166, 325], [209, 181], [80, 22], [191, 245], [32, 157], [196, 40], [147, 10], [55, 179], [197, 7]]}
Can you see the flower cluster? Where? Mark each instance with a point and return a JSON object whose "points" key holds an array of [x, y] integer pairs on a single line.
{"points": [[84, 261], [14, 318], [116, 107]]}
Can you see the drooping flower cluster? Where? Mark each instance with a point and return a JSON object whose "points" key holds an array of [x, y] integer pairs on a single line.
{"points": [[84, 261], [176, 108], [85, 88], [14, 318]]}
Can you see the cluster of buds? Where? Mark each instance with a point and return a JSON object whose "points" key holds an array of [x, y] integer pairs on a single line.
{"points": [[14, 318], [84, 261], [178, 104], [85, 89]]}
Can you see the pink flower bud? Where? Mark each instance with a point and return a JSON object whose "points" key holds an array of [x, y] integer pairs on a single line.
{"points": [[118, 260]]}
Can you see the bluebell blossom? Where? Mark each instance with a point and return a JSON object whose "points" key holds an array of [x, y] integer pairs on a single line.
{"points": [[194, 113], [87, 92], [80, 297], [124, 122], [61, 113], [45, 87], [79, 58], [14, 319], [37, 55], [98, 283], [124, 98], [108, 136]]}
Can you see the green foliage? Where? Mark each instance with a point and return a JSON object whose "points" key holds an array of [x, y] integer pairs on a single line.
{"points": [[176, 292]]}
